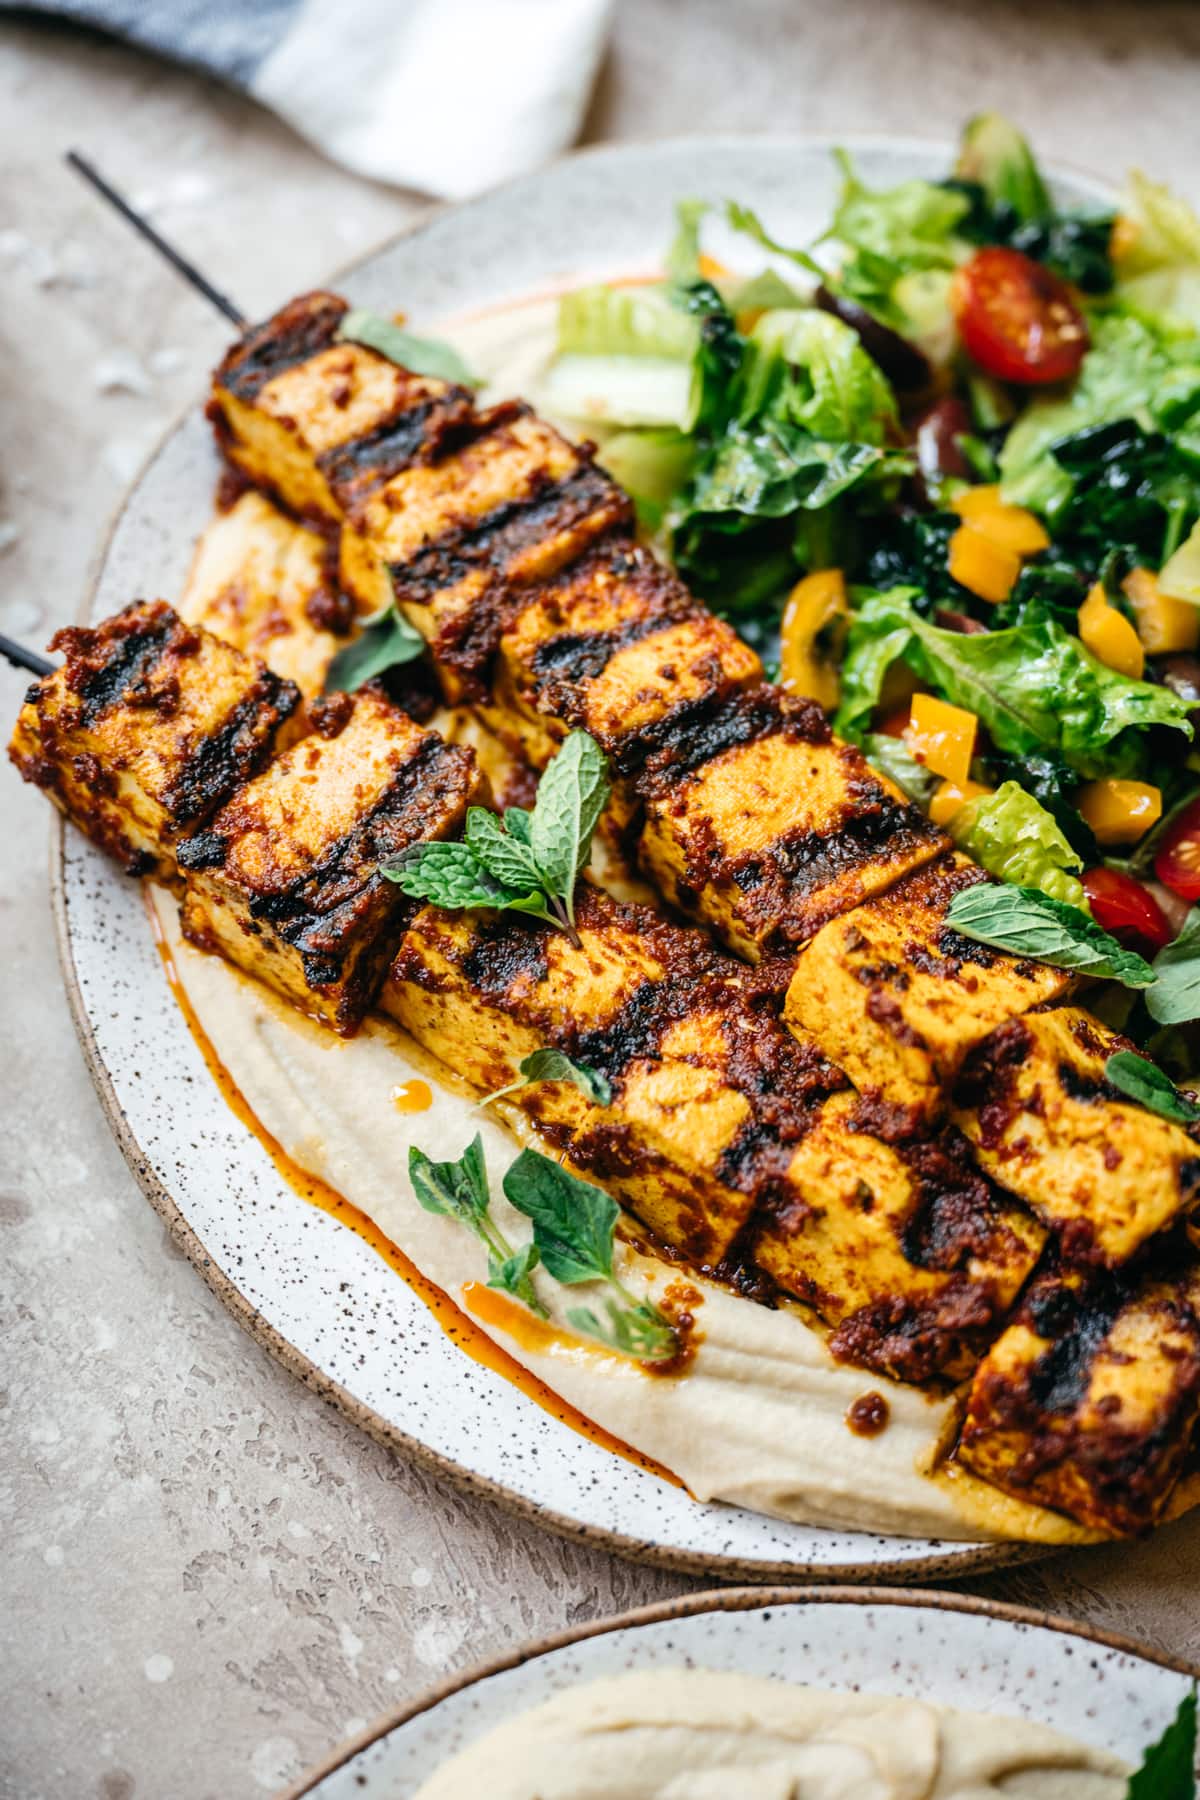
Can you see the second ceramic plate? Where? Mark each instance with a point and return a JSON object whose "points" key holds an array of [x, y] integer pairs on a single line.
{"points": [[1105, 1692]]}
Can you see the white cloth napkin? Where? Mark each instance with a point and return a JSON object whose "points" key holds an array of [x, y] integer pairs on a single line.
{"points": [[448, 96]]}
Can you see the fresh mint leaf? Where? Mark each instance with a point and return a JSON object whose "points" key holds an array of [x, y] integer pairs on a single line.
{"points": [[448, 874], [419, 355], [459, 1190], [556, 1065], [1175, 997], [573, 1227], [571, 796], [527, 862], [386, 640], [636, 1330], [1144, 1082], [504, 856], [573, 1220], [512, 1274], [1025, 922], [1168, 1770]]}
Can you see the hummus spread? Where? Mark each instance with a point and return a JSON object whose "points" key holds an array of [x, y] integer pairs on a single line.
{"points": [[758, 1414], [695, 1734]]}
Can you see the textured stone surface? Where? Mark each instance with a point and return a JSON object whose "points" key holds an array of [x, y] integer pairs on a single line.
{"points": [[207, 1576]]}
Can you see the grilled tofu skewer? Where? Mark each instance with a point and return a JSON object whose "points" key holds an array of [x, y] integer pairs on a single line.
{"points": [[513, 555], [740, 1147]]}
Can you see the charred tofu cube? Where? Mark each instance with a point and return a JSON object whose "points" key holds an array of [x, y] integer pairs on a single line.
{"points": [[285, 879], [1103, 1173], [451, 540], [706, 1091], [318, 421], [906, 1249], [1088, 1401], [148, 727], [759, 822], [264, 584], [616, 646], [899, 997]]}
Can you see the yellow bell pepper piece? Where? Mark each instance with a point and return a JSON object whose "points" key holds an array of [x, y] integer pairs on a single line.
{"points": [[814, 625], [1109, 635], [985, 567], [1119, 812], [1163, 622], [1012, 527], [948, 796], [942, 737]]}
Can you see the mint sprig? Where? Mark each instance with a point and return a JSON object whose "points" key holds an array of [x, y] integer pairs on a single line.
{"points": [[386, 641], [1025, 922], [525, 862], [1143, 1081], [419, 355], [556, 1065], [574, 1225], [573, 1228], [1168, 1770], [459, 1190]]}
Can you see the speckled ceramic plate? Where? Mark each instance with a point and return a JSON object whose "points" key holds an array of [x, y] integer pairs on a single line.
{"points": [[1107, 1692], [308, 1288]]}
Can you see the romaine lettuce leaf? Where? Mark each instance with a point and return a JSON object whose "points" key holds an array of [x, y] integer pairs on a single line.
{"points": [[810, 369], [890, 232], [1032, 685], [1156, 251], [1014, 838]]}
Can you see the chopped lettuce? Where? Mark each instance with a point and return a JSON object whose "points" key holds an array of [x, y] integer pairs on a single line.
{"points": [[1032, 686], [892, 757], [1130, 372], [1156, 251], [810, 369], [626, 356], [912, 225], [652, 467], [1014, 838], [997, 156]]}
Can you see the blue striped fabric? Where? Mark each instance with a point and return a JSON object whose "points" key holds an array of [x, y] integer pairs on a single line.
{"points": [[229, 38]]}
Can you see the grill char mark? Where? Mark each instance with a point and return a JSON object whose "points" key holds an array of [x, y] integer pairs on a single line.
{"points": [[295, 334]]}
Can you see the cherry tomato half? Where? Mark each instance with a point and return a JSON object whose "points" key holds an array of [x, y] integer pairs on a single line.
{"points": [[1017, 319], [1177, 864], [1127, 909]]}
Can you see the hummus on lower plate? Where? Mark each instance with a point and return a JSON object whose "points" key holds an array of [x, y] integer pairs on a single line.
{"points": [[695, 1734]]}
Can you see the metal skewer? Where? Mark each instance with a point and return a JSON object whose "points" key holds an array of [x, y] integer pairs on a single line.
{"points": [[142, 225], [21, 658]]}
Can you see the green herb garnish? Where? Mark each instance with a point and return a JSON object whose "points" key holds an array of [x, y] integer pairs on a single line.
{"points": [[526, 862], [573, 1228], [1168, 1770], [459, 1190], [1175, 997], [1025, 922], [1144, 1082], [420, 355], [387, 640], [556, 1065]]}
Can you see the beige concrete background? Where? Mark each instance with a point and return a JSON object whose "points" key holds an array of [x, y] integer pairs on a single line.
{"points": [[207, 1576]]}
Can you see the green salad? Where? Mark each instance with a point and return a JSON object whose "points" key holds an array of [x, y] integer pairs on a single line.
{"points": [[942, 468]]}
